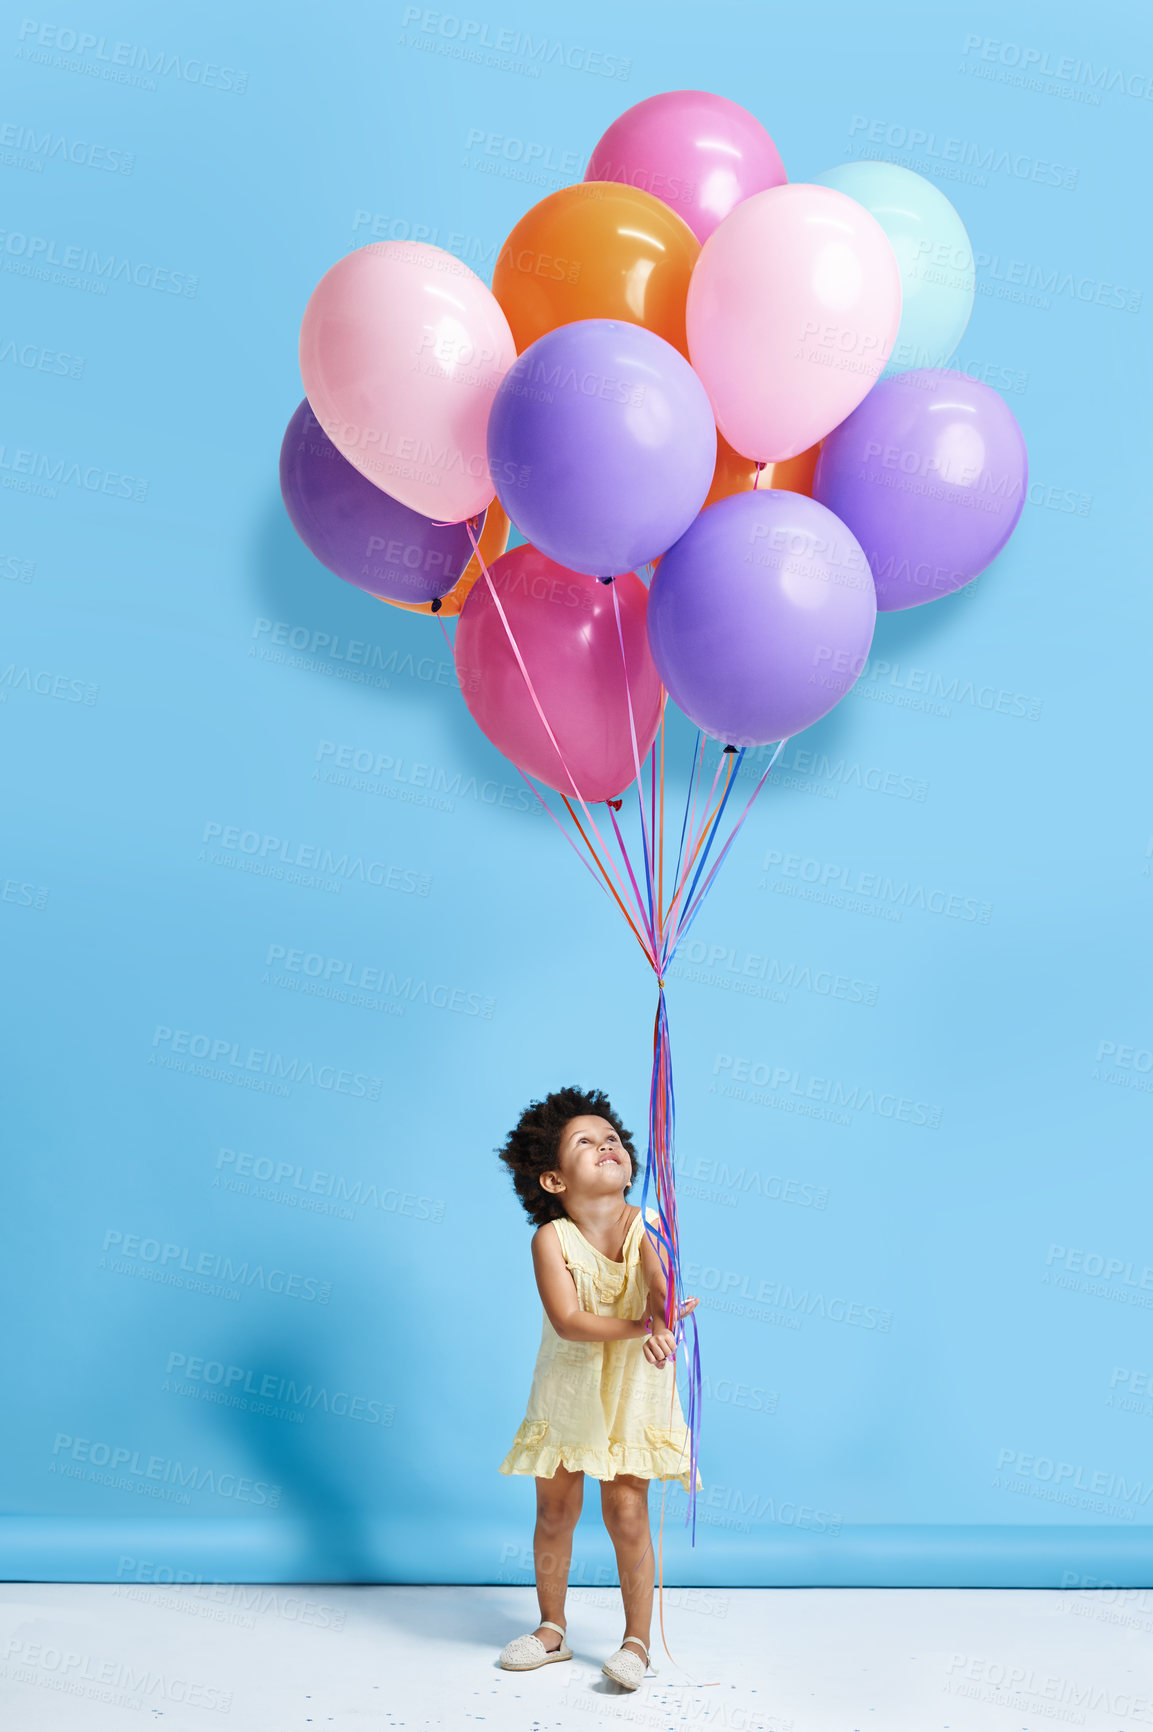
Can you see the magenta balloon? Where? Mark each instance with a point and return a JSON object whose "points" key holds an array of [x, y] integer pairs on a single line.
{"points": [[700, 154], [761, 616], [930, 474], [566, 630], [363, 535]]}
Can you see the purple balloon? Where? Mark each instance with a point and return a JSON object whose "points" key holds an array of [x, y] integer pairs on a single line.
{"points": [[363, 535], [761, 617], [930, 474], [601, 444]]}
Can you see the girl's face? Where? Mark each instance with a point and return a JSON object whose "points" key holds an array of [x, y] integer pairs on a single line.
{"points": [[591, 1159]]}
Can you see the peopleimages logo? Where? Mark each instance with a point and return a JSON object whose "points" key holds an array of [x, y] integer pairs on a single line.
{"points": [[825, 982], [408, 454], [782, 1079], [1125, 1066], [471, 35], [379, 772], [480, 254], [222, 1602], [1077, 1261], [541, 379], [750, 1182], [989, 159], [41, 147], [1066, 68], [1072, 1476], [46, 684], [42, 472], [255, 850], [332, 977], [13, 568], [354, 651], [22, 894], [315, 1191], [121, 62], [1006, 1682], [39, 252], [168, 1263], [163, 1470], [220, 1052], [271, 1394], [913, 684], [840, 773], [832, 881], [38, 359], [755, 1506], [102, 1678]]}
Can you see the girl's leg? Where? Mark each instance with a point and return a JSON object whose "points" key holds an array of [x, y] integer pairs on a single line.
{"points": [[558, 1504], [625, 1507]]}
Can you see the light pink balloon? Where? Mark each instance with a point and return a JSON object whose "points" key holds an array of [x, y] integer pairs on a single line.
{"points": [[700, 154], [792, 311], [565, 628], [402, 348]]}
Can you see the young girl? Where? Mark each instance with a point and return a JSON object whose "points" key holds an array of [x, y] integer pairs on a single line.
{"points": [[604, 1398]]}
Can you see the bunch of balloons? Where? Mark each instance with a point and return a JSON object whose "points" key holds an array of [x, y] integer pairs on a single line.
{"points": [[689, 368]]}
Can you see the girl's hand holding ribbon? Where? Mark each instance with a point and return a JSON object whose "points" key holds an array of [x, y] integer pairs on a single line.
{"points": [[662, 1342]]}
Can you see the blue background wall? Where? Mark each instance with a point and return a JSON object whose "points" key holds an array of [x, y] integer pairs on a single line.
{"points": [[926, 1344]]}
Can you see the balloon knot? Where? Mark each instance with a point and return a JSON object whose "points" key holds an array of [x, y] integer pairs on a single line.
{"points": [[615, 804], [436, 604], [730, 748], [604, 580]]}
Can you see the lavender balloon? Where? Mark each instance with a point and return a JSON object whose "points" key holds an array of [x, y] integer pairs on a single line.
{"points": [[601, 445], [363, 535], [761, 616], [930, 474]]}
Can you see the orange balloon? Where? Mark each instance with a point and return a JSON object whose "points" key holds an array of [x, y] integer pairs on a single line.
{"points": [[737, 474], [493, 540], [596, 250]]}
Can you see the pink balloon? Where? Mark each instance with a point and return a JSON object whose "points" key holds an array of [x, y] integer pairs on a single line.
{"points": [[566, 631], [402, 348], [792, 312], [699, 154]]}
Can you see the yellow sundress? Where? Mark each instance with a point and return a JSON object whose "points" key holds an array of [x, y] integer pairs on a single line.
{"points": [[600, 1407]]}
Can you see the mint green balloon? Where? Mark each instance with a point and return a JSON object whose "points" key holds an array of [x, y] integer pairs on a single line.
{"points": [[933, 252]]}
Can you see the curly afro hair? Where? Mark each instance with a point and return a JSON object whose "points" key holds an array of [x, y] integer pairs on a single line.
{"points": [[531, 1148]]}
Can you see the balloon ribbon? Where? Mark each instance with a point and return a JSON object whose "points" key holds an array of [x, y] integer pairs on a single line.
{"points": [[659, 927]]}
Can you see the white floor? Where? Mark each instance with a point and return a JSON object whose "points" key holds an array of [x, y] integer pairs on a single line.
{"points": [[102, 1659]]}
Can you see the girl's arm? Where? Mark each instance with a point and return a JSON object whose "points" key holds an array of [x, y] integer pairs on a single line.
{"points": [[558, 1295]]}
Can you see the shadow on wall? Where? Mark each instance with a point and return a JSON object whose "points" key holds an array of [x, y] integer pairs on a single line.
{"points": [[318, 616], [321, 1469], [915, 628]]}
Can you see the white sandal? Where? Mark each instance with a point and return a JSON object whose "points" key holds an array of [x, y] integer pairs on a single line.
{"points": [[626, 1667], [525, 1653]]}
